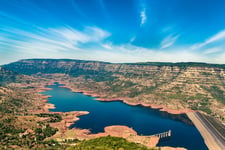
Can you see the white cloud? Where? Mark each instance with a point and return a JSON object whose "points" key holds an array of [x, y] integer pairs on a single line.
{"points": [[168, 41], [133, 39], [217, 37], [107, 46], [143, 16], [130, 53], [213, 50], [69, 34], [111, 53], [65, 42], [52, 39], [96, 34]]}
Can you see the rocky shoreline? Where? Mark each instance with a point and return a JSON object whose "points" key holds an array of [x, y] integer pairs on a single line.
{"points": [[120, 131], [123, 99]]}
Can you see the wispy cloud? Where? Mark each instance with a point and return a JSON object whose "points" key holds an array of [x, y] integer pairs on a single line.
{"points": [[61, 42], [131, 53], [217, 37], [107, 46], [143, 16], [52, 39], [133, 39], [213, 50], [168, 41]]}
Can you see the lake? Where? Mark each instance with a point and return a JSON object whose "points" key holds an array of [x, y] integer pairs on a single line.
{"points": [[144, 120]]}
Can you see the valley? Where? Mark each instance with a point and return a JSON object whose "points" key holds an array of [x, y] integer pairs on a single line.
{"points": [[173, 87]]}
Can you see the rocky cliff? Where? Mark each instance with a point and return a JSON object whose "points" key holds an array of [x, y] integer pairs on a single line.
{"points": [[197, 86]]}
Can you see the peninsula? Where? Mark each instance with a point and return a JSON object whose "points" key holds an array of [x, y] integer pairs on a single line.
{"points": [[176, 88]]}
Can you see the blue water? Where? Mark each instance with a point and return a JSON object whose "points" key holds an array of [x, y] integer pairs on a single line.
{"points": [[143, 120]]}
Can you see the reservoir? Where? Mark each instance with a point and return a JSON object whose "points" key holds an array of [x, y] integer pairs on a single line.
{"points": [[144, 120]]}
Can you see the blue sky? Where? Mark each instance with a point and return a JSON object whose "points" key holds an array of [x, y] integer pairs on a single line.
{"points": [[113, 30]]}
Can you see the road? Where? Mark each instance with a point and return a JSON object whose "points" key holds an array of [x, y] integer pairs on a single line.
{"points": [[213, 139]]}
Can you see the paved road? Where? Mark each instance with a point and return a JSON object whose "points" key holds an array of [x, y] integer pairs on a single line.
{"points": [[213, 139], [216, 134]]}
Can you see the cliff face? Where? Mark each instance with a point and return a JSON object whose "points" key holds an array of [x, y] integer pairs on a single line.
{"points": [[54, 66], [7, 76], [196, 86]]}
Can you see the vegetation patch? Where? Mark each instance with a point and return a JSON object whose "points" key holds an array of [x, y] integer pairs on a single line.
{"points": [[109, 143], [52, 117]]}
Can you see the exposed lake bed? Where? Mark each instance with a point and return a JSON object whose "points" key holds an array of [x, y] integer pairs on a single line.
{"points": [[144, 120]]}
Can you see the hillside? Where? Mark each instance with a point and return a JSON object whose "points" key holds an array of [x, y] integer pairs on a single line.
{"points": [[7, 76], [197, 86], [26, 123]]}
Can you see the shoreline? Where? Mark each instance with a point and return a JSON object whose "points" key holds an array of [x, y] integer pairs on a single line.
{"points": [[153, 106], [86, 132], [210, 138]]}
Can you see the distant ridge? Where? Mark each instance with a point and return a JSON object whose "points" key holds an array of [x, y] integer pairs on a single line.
{"points": [[79, 67], [179, 64], [64, 59]]}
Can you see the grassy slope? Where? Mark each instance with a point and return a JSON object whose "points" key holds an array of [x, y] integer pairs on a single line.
{"points": [[109, 143], [102, 143]]}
